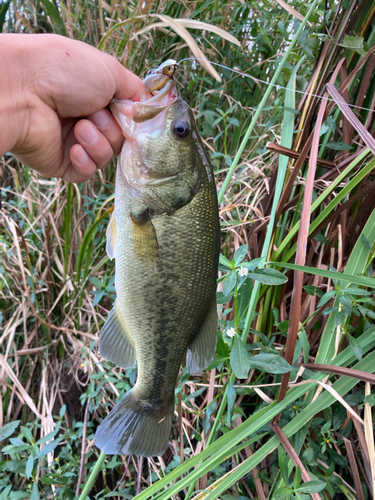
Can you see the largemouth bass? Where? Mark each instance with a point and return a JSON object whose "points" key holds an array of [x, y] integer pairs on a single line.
{"points": [[165, 237]]}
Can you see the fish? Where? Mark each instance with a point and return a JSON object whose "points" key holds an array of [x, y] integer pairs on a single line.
{"points": [[164, 235]]}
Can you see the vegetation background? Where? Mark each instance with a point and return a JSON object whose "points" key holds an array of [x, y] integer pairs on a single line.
{"points": [[256, 424]]}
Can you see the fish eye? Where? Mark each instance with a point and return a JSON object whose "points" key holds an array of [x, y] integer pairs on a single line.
{"points": [[180, 129]]}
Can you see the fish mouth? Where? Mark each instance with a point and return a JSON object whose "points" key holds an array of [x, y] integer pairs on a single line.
{"points": [[146, 110], [128, 113]]}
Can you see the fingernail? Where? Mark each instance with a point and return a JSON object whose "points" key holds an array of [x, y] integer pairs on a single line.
{"points": [[101, 118], [88, 134], [80, 155]]}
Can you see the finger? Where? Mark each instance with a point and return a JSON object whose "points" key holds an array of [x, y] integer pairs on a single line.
{"points": [[81, 167], [128, 85], [94, 143], [107, 126]]}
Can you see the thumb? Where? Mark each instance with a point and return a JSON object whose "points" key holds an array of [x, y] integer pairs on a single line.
{"points": [[128, 85]]}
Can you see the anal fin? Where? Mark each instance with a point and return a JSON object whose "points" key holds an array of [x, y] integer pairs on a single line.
{"points": [[202, 349], [115, 343]]}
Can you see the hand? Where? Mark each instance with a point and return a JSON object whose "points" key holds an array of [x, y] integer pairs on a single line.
{"points": [[52, 104]]}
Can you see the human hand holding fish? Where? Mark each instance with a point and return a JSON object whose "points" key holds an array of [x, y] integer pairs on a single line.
{"points": [[53, 95]]}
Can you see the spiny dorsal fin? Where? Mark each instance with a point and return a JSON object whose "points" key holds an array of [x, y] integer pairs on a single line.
{"points": [[115, 343], [111, 237], [202, 349]]}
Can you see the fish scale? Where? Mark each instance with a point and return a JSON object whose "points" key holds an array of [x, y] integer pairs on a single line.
{"points": [[165, 239]]}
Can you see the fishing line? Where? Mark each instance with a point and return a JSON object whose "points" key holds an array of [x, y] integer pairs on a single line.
{"points": [[275, 84]]}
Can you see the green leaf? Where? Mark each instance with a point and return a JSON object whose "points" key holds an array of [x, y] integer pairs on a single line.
{"points": [[268, 276], [3, 12], [98, 295], [357, 280], [305, 345], [282, 493], [239, 359], [232, 108], [234, 121], [367, 243], [352, 290], [229, 282], [283, 326], [354, 43], [8, 429], [326, 427], [312, 290], [19, 495], [47, 479], [313, 486], [195, 394], [231, 397], [270, 363], [225, 262], [35, 492], [217, 121], [96, 282], [240, 254], [54, 14], [209, 411], [50, 435], [29, 466], [326, 298], [251, 265], [356, 346], [346, 304], [244, 297], [27, 433], [370, 400], [48, 447], [297, 477], [340, 318], [283, 465], [223, 299], [62, 410], [338, 146], [321, 238]]}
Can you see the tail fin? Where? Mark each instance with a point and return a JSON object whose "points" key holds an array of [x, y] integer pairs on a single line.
{"points": [[135, 428]]}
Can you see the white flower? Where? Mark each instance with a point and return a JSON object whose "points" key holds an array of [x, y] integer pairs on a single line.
{"points": [[231, 332], [243, 271]]}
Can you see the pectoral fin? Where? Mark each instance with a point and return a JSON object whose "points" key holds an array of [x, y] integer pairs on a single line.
{"points": [[111, 236], [115, 343], [202, 349], [143, 232]]}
